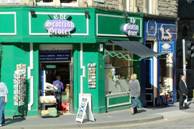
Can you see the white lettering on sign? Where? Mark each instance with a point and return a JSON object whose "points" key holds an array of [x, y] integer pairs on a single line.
{"points": [[59, 26], [131, 28]]}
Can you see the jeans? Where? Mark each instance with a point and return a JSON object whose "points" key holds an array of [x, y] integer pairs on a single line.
{"points": [[2, 106], [135, 102]]}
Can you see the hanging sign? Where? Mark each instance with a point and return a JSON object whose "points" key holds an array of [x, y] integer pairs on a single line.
{"points": [[151, 28], [59, 26], [131, 28]]}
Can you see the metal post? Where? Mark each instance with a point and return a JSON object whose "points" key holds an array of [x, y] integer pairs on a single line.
{"points": [[184, 58]]}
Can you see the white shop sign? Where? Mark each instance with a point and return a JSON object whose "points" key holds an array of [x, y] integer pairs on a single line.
{"points": [[131, 28], [59, 25]]}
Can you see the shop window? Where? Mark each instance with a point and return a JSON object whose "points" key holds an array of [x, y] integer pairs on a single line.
{"points": [[123, 68]]}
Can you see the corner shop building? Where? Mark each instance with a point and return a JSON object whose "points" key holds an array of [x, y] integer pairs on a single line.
{"points": [[33, 37]]}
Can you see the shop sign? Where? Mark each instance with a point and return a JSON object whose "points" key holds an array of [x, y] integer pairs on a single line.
{"points": [[55, 55], [59, 26], [167, 32], [166, 47], [151, 28], [131, 28]]}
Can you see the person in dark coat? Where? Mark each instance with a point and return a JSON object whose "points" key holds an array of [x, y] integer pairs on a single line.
{"points": [[183, 92]]}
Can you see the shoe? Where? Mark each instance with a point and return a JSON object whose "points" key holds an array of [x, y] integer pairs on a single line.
{"points": [[186, 107]]}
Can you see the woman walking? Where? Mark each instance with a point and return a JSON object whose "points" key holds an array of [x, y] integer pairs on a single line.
{"points": [[135, 89]]}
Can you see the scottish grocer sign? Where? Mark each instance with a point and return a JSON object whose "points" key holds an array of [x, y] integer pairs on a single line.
{"points": [[59, 26]]}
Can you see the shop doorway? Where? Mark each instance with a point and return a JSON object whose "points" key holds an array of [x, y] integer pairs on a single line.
{"points": [[149, 89], [166, 78], [55, 63]]}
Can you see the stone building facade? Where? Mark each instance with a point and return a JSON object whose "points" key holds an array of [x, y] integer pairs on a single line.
{"points": [[155, 7]]}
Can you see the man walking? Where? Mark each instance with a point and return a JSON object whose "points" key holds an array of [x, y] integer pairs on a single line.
{"points": [[183, 92], [3, 101]]}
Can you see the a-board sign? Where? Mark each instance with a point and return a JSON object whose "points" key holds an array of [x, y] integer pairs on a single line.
{"points": [[84, 108]]}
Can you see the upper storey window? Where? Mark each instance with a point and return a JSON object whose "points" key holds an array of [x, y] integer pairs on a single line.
{"points": [[71, 3], [9, 1]]}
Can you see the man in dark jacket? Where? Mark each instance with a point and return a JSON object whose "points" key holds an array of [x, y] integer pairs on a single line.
{"points": [[183, 91]]}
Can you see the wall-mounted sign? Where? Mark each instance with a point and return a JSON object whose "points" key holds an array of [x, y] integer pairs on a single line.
{"points": [[92, 75], [131, 28], [167, 32], [166, 47], [59, 26], [151, 28], [58, 55]]}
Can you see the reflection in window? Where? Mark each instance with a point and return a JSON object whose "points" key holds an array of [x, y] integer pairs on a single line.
{"points": [[123, 68]]}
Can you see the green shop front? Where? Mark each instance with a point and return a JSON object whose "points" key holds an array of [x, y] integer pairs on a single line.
{"points": [[37, 44]]}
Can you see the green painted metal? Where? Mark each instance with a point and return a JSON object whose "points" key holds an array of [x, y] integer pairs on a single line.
{"points": [[91, 55], [76, 77], [12, 55], [114, 22], [29, 27], [16, 47], [7, 27], [121, 99]]}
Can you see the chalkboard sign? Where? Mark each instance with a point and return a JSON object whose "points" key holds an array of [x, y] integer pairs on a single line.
{"points": [[84, 108]]}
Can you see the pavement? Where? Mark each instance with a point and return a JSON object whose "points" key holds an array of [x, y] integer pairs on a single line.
{"points": [[102, 119]]}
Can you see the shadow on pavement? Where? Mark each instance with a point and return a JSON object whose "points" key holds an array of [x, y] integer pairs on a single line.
{"points": [[141, 110], [9, 121]]}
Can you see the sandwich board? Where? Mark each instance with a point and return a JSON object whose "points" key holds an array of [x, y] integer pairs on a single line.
{"points": [[84, 108]]}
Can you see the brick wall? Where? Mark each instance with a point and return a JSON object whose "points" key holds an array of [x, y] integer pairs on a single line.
{"points": [[108, 4], [167, 7]]}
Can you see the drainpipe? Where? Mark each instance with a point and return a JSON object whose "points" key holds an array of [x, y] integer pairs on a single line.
{"points": [[30, 77], [82, 67]]}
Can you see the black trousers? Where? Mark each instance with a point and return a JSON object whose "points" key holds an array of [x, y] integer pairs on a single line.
{"points": [[181, 101]]}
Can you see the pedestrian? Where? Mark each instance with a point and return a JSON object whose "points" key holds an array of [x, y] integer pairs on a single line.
{"points": [[183, 92], [134, 88], [3, 101], [60, 87]]}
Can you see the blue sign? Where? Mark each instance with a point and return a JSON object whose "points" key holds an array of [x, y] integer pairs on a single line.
{"points": [[160, 30], [151, 28], [166, 47], [50, 55], [167, 32]]}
